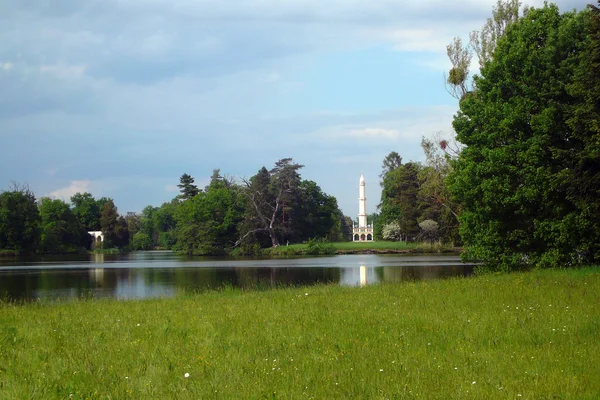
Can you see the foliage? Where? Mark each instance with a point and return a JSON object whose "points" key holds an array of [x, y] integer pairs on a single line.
{"points": [[19, 220], [390, 163], [61, 231], [430, 231], [141, 241], [434, 197], [114, 227], [399, 199], [392, 231], [207, 223], [187, 187], [518, 179], [270, 194], [317, 215], [87, 210], [482, 43], [319, 246]]}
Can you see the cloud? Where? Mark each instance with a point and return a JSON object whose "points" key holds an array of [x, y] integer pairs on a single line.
{"points": [[171, 189], [64, 71], [66, 192], [374, 133]]}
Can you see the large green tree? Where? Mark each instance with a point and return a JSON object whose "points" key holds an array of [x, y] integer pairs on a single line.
{"points": [[87, 209], [515, 178], [19, 220], [61, 231], [207, 224], [114, 227], [399, 200]]}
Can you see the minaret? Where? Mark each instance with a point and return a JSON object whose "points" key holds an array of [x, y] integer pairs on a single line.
{"points": [[362, 203]]}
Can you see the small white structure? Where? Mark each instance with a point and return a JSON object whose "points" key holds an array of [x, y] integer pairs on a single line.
{"points": [[363, 232], [97, 236]]}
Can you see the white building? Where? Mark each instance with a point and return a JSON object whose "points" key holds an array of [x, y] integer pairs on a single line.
{"points": [[363, 232]]}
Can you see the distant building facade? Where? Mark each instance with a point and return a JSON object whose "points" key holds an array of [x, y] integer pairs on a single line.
{"points": [[362, 232]]}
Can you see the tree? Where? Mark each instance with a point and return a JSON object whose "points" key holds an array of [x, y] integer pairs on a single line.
{"points": [[141, 241], [399, 200], [61, 232], [390, 163], [318, 215], [108, 223], [19, 220], [515, 177], [482, 43], [134, 223], [392, 231], [430, 231], [268, 194], [207, 224], [187, 187], [121, 239], [87, 210], [434, 197]]}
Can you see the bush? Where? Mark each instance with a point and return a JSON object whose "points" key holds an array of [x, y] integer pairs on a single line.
{"points": [[430, 231], [141, 241], [319, 247], [392, 231]]}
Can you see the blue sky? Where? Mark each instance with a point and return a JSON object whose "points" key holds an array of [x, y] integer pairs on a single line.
{"points": [[121, 97]]}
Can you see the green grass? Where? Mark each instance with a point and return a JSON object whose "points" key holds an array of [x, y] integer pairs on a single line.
{"points": [[348, 247], [518, 336]]}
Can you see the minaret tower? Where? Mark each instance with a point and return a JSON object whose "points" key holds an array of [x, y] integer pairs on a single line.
{"points": [[363, 232], [362, 203]]}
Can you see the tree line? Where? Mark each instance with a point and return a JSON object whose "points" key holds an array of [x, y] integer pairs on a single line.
{"points": [[273, 207], [521, 187]]}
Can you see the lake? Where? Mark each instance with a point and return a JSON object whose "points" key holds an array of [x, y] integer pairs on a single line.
{"points": [[163, 273]]}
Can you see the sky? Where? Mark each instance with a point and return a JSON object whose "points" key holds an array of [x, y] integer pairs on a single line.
{"points": [[119, 98]]}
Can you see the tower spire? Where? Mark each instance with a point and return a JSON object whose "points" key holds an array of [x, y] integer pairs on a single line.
{"points": [[362, 232]]}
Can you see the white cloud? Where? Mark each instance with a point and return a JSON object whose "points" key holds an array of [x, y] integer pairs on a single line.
{"points": [[75, 187], [64, 71], [374, 133], [171, 188], [7, 66]]}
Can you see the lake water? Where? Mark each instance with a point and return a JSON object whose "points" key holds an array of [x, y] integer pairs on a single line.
{"points": [[162, 273]]}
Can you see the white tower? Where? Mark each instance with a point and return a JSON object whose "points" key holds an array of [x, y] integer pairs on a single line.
{"points": [[362, 203], [362, 232]]}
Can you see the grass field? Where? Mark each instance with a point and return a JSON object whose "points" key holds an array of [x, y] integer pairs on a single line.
{"points": [[358, 247], [518, 336]]}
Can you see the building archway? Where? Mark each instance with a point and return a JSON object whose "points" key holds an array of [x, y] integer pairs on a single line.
{"points": [[356, 237], [369, 237], [362, 237]]}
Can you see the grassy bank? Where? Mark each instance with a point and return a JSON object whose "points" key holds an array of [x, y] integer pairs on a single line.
{"points": [[525, 335], [361, 247]]}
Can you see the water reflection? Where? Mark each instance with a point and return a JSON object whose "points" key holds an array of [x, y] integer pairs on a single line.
{"points": [[155, 274]]}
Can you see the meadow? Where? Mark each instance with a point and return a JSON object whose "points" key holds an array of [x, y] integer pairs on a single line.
{"points": [[322, 247], [516, 336]]}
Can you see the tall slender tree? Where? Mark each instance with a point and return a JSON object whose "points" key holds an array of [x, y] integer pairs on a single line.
{"points": [[187, 187]]}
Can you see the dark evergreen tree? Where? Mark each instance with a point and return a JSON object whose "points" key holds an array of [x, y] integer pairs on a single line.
{"points": [[108, 223], [187, 187], [390, 163]]}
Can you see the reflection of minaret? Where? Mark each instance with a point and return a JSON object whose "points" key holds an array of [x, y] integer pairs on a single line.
{"points": [[362, 203], [363, 232], [363, 275]]}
